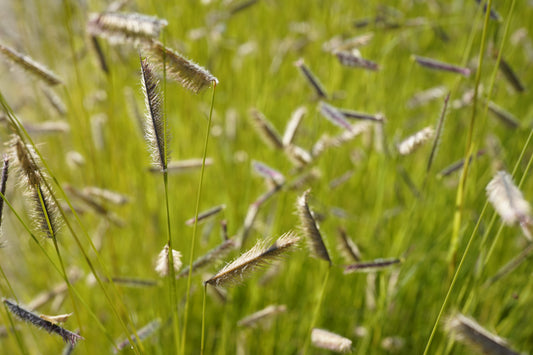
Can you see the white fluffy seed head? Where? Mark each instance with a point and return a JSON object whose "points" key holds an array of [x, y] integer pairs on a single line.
{"points": [[327, 340], [507, 199]]}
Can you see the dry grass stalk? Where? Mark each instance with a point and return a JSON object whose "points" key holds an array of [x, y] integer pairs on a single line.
{"points": [[49, 127], [35, 320], [324, 339], [509, 202], [348, 247], [259, 256], [187, 73], [162, 266], [267, 172], [57, 290], [310, 228], [120, 27], [210, 257], [60, 318], [205, 215], [184, 166], [95, 205], [440, 127], [143, 333], [353, 59], [260, 316], [31, 66], [54, 100], [253, 210], [438, 65], [265, 129], [298, 155], [334, 115], [107, 195], [423, 97], [156, 131], [371, 266], [506, 117], [3, 184], [412, 143], [293, 124], [312, 80], [134, 282], [362, 116], [468, 331]]}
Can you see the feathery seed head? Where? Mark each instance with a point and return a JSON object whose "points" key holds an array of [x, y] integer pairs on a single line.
{"points": [[327, 340], [162, 266], [310, 228]]}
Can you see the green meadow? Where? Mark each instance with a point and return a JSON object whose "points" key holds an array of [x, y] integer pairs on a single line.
{"points": [[85, 218]]}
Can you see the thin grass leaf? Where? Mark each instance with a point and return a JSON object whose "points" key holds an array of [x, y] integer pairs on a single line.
{"points": [[324, 339], [509, 202], [178, 68], [31, 66], [312, 80], [119, 27], [35, 320], [156, 131], [468, 331], [441, 66], [258, 257], [310, 228]]}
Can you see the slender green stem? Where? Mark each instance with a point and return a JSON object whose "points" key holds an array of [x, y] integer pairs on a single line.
{"points": [[202, 344], [316, 311], [195, 228]]}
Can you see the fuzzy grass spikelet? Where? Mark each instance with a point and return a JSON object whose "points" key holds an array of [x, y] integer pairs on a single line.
{"points": [[162, 266], [143, 333], [324, 339], [35, 320], [311, 79], [293, 124], [30, 65], [3, 184], [468, 331], [334, 115], [353, 59], [210, 257], [310, 228], [412, 143], [509, 202], [120, 27], [265, 129], [262, 315], [442, 66], [259, 256], [156, 131], [178, 68]]}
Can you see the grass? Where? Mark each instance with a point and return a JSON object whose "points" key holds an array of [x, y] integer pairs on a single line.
{"points": [[390, 205]]}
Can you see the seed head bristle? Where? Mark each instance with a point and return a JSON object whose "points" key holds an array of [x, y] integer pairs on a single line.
{"points": [[412, 143], [187, 73], [120, 27], [509, 202], [31, 66], [156, 131], [259, 256], [35, 320], [324, 339], [468, 331], [310, 228]]}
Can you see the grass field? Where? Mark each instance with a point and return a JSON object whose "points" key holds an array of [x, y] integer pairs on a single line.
{"points": [[445, 241]]}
